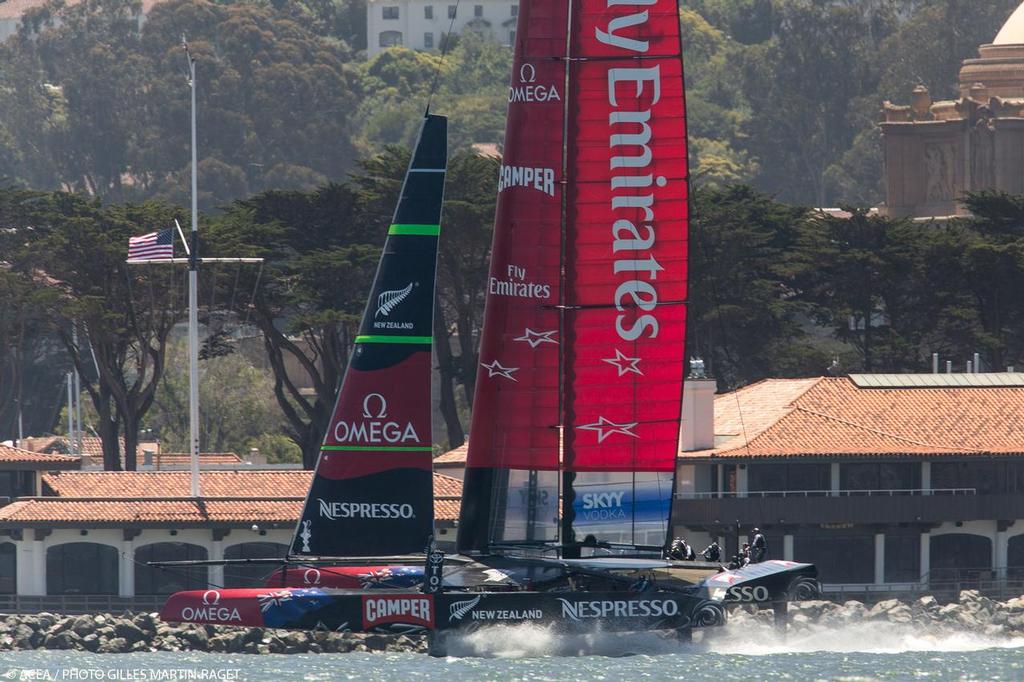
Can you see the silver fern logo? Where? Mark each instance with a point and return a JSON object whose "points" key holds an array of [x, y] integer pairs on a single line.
{"points": [[389, 300], [458, 610]]}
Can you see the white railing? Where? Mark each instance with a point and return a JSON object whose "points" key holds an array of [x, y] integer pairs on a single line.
{"points": [[888, 492]]}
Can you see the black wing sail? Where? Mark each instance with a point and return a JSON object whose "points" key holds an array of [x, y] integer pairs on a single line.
{"points": [[372, 493]]}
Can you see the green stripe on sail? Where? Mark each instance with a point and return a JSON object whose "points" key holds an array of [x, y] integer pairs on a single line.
{"points": [[375, 338], [365, 448], [422, 230]]}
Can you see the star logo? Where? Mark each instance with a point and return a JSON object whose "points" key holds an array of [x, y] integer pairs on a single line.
{"points": [[623, 363], [495, 369], [536, 338], [607, 428]]}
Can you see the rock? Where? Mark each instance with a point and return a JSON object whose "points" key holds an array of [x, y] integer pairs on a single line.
{"points": [[880, 609], [117, 645], [66, 639], [900, 614], [196, 639], [927, 603], [146, 622], [376, 642], [129, 631], [83, 625], [91, 642]]}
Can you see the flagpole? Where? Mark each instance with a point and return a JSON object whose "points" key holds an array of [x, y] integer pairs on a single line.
{"points": [[193, 304]]}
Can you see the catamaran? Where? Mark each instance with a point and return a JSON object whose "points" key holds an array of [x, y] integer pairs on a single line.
{"points": [[570, 473]]}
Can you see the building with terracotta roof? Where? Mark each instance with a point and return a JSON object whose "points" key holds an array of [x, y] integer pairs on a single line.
{"points": [[878, 479], [92, 532]]}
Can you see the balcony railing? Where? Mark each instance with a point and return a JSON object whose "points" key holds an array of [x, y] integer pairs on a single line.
{"points": [[883, 492]]}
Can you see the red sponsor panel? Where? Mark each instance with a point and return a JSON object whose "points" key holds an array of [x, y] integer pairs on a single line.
{"points": [[378, 410], [648, 28], [626, 250], [516, 407], [216, 607], [407, 609]]}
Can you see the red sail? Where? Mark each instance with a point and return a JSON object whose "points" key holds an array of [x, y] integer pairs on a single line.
{"points": [[626, 237], [516, 407]]}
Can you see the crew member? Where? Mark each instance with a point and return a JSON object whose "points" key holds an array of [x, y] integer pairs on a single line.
{"points": [[758, 547], [745, 554], [713, 553], [680, 550]]}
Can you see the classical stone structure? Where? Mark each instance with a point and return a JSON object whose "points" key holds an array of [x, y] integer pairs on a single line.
{"points": [[936, 151]]}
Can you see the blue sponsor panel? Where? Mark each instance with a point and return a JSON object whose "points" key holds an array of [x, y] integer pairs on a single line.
{"points": [[623, 508]]}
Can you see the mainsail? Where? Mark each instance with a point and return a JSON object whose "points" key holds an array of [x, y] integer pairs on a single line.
{"points": [[579, 392], [372, 493]]}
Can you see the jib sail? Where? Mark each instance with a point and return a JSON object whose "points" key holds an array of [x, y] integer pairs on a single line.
{"points": [[372, 493], [578, 398]]}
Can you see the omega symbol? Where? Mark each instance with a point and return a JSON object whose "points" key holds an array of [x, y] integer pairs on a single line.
{"points": [[527, 74], [207, 600], [367, 403]]}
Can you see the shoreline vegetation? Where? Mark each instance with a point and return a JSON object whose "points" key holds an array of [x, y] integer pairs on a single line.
{"points": [[144, 632]]}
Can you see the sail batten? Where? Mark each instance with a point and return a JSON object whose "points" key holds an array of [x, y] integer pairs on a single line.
{"points": [[372, 492]]}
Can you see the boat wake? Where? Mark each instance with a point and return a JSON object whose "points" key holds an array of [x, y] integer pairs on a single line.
{"points": [[750, 639]]}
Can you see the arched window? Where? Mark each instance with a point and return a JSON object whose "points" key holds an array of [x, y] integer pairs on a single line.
{"points": [[960, 557], [1015, 558], [8, 568], [390, 38], [153, 580], [81, 568], [251, 575]]}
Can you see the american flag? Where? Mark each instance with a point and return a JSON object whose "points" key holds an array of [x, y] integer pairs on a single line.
{"points": [[154, 245]]}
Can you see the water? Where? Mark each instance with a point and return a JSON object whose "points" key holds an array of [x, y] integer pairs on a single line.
{"points": [[874, 651]]}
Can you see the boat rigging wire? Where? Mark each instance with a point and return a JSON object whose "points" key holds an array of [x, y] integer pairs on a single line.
{"points": [[444, 54]]}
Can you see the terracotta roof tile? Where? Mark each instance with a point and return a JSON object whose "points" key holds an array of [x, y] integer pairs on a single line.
{"points": [[456, 456], [16, 455], [179, 459], [232, 497], [13, 9], [833, 417]]}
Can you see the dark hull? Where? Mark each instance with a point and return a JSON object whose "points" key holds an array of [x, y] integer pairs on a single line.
{"points": [[665, 603]]}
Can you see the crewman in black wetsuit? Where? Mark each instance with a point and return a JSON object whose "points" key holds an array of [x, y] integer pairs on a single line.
{"points": [[679, 550], [758, 547], [713, 553]]}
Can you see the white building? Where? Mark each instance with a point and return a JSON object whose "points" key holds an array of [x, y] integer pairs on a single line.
{"points": [[421, 24]]}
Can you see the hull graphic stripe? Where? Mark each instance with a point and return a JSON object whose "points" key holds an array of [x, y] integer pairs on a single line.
{"points": [[416, 230], [374, 448], [422, 340]]}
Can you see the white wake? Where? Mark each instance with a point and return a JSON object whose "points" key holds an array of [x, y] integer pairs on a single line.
{"points": [[748, 638]]}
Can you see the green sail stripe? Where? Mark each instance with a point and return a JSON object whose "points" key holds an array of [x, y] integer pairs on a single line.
{"points": [[375, 338], [366, 448], [421, 230]]}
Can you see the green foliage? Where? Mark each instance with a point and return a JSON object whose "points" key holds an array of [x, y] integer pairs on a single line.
{"points": [[278, 448]]}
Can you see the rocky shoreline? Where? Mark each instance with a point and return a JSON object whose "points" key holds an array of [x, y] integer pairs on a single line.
{"points": [[144, 632]]}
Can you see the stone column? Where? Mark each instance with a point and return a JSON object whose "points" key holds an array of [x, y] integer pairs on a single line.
{"points": [[29, 578], [216, 573], [39, 566], [1000, 551], [720, 486], [879, 558], [926, 477], [127, 579], [787, 547], [834, 478], [742, 476], [926, 548]]}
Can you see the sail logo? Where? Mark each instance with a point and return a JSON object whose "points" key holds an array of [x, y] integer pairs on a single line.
{"points": [[540, 179], [398, 609], [311, 576], [516, 285], [528, 90], [210, 610], [459, 609], [602, 506], [632, 186], [376, 428], [387, 301], [606, 608], [364, 510]]}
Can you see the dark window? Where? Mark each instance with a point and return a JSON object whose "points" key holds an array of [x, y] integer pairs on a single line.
{"points": [[428, 12], [840, 557], [1015, 558], [899, 475], [781, 477], [150, 580], [390, 38], [766, 477], [428, 40], [511, 37], [987, 478], [515, 10], [17, 484], [81, 568], [961, 557], [451, 11], [809, 477], [858, 476], [478, 10], [902, 558], [8, 568], [390, 12], [252, 575]]}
